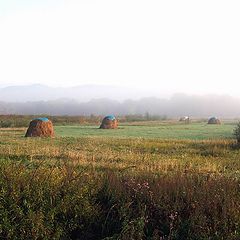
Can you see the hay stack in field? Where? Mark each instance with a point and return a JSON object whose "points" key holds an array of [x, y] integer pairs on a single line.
{"points": [[214, 120], [184, 119], [40, 127], [109, 122]]}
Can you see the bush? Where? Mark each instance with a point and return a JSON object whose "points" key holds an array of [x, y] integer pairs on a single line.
{"points": [[237, 133], [6, 124]]}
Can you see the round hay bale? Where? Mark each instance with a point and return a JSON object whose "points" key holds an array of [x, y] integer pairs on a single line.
{"points": [[184, 119], [40, 127], [214, 120], [109, 122]]}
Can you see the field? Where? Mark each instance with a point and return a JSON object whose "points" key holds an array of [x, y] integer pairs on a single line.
{"points": [[159, 130], [146, 180]]}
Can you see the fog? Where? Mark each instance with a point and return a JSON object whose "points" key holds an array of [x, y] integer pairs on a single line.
{"points": [[195, 106], [81, 93], [175, 46], [168, 58]]}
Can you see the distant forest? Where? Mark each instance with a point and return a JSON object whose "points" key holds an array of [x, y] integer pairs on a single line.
{"points": [[178, 105]]}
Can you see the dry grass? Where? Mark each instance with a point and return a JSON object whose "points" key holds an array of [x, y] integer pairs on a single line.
{"points": [[104, 188]]}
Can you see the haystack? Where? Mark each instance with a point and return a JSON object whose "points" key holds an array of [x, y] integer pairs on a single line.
{"points": [[214, 120], [185, 119], [109, 122], [40, 127]]}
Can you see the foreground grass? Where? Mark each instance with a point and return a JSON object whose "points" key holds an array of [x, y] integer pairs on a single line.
{"points": [[112, 188]]}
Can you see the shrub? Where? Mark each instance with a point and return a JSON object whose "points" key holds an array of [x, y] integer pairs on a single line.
{"points": [[237, 133], [6, 124]]}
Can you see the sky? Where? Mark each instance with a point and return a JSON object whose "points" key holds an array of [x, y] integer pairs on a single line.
{"points": [[171, 46]]}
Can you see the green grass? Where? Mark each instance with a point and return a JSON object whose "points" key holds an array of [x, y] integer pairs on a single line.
{"points": [[195, 131], [144, 181]]}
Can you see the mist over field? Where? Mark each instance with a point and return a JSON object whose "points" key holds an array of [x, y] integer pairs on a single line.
{"points": [[100, 100]]}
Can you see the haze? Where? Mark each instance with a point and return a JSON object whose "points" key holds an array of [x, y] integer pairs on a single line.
{"points": [[169, 46]]}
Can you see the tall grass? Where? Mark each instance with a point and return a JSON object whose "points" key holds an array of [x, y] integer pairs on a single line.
{"points": [[96, 188], [66, 202]]}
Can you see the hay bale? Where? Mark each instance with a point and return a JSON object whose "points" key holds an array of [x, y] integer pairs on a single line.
{"points": [[184, 119], [214, 120], [40, 127], [109, 122]]}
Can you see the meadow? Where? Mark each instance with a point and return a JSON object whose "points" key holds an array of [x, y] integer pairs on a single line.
{"points": [[145, 180], [153, 130]]}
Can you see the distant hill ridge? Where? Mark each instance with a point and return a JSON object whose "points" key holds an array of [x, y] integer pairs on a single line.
{"points": [[83, 93]]}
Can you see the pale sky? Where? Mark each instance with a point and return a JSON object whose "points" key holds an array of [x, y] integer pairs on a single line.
{"points": [[174, 46]]}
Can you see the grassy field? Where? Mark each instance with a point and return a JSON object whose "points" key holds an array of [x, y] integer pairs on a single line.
{"points": [[196, 131], [142, 181]]}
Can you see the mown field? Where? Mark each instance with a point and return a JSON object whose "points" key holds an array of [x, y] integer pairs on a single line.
{"points": [[159, 130], [142, 181]]}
